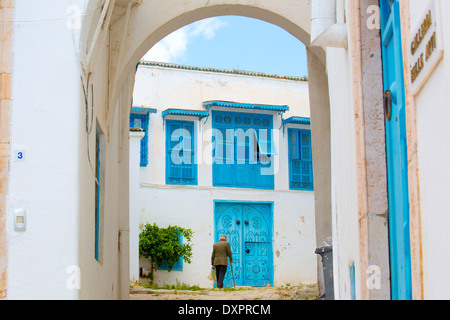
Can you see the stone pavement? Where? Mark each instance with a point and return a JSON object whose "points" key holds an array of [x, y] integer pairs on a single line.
{"points": [[302, 292]]}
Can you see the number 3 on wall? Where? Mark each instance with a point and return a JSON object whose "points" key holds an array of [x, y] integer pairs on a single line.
{"points": [[19, 155]]}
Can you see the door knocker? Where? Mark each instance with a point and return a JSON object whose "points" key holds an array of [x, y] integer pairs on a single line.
{"points": [[387, 102]]}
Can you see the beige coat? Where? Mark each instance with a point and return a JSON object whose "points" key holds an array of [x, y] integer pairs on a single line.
{"points": [[221, 250]]}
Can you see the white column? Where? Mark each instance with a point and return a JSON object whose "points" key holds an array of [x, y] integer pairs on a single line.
{"points": [[135, 155]]}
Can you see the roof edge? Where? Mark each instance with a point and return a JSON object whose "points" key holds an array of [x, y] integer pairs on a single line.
{"points": [[216, 70]]}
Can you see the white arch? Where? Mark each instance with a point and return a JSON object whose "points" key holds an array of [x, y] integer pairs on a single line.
{"points": [[153, 20], [145, 28]]}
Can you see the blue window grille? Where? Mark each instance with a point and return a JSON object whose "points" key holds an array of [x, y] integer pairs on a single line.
{"points": [[243, 150], [178, 266], [181, 167], [141, 120], [300, 160]]}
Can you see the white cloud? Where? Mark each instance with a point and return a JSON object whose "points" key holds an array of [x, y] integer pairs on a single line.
{"points": [[174, 47], [207, 27], [170, 48]]}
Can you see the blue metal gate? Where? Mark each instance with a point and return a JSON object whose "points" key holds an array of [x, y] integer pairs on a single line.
{"points": [[248, 227]]}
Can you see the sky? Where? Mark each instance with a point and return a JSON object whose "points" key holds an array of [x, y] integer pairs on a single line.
{"points": [[231, 42]]}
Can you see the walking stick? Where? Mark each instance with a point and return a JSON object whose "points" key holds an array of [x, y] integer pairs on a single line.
{"points": [[232, 273]]}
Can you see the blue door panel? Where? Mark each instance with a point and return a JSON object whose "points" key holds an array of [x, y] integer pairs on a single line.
{"points": [[257, 246], [396, 152], [248, 227]]}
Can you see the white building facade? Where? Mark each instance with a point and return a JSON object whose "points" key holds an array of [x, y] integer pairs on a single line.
{"points": [[267, 216]]}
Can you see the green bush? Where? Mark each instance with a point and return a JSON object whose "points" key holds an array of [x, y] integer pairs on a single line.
{"points": [[163, 244]]}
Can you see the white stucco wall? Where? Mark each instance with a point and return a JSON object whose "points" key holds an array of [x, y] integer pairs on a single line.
{"points": [[344, 184], [192, 206], [343, 168], [54, 257], [135, 157], [433, 116], [45, 183], [55, 183]]}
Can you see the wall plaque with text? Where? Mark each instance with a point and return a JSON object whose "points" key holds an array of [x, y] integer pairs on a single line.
{"points": [[426, 46]]}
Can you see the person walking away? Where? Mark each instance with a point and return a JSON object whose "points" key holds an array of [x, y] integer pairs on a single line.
{"points": [[221, 250]]}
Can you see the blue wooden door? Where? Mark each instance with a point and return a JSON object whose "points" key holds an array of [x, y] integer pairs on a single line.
{"points": [[248, 229], [396, 151]]}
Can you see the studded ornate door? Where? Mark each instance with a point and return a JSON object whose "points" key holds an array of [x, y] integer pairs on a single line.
{"points": [[248, 227]]}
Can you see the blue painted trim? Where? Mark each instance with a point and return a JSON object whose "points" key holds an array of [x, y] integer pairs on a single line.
{"points": [[143, 110], [236, 120], [97, 195], [352, 281], [295, 120], [209, 104], [182, 112], [244, 201]]}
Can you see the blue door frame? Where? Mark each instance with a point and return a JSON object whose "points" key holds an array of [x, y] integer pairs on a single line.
{"points": [[396, 151]]}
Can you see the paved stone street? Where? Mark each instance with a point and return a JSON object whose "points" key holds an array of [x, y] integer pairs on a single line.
{"points": [[304, 292]]}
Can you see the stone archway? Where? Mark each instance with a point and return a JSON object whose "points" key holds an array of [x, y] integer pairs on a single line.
{"points": [[142, 25]]}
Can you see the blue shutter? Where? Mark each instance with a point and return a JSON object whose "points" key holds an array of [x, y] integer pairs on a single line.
{"points": [[294, 159], [293, 145], [173, 170], [300, 160], [181, 167], [243, 168], [266, 143], [188, 173], [241, 151], [266, 149], [223, 165], [306, 157], [219, 152], [141, 121], [305, 142]]}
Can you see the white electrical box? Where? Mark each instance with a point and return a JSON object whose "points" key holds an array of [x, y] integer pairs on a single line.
{"points": [[19, 219]]}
